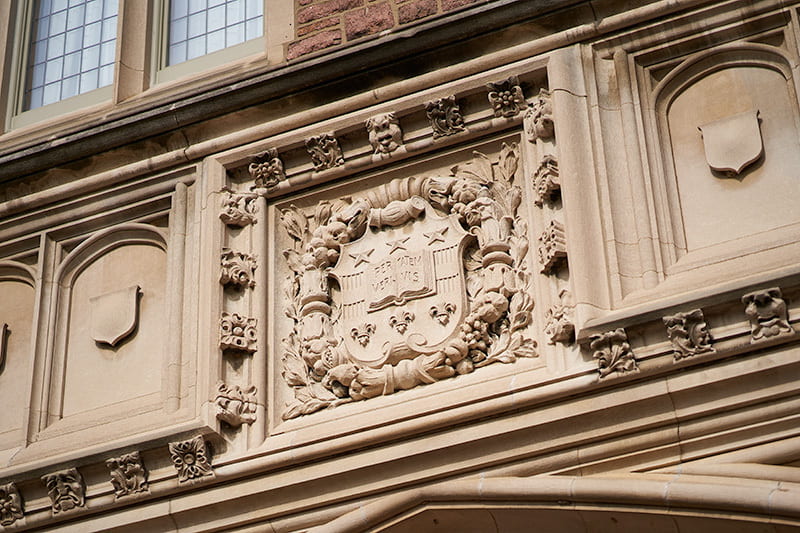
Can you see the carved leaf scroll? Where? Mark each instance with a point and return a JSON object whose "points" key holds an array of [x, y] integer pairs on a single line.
{"points": [[613, 353], [10, 504], [688, 333]]}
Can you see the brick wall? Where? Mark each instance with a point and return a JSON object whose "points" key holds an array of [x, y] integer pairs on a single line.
{"points": [[324, 23]]}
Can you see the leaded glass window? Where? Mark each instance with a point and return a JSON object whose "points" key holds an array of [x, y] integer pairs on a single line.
{"points": [[73, 47], [200, 27]]}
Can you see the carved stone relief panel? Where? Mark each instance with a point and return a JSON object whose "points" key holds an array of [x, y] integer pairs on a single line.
{"points": [[237, 269], [238, 333], [66, 490], [128, 474], [417, 281], [266, 169], [238, 210], [613, 353], [539, 118], [234, 405], [767, 313], [191, 458], [546, 181], [384, 132], [552, 247], [506, 97], [688, 333], [559, 325], [444, 116], [115, 315], [11, 508], [325, 151]]}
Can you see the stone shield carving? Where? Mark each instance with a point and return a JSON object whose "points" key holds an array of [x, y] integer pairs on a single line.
{"points": [[391, 271], [115, 315], [732, 143], [419, 280]]}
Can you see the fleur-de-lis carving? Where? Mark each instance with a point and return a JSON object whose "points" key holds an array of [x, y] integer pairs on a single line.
{"points": [[441, 312], [401, 321], [363, 333]]}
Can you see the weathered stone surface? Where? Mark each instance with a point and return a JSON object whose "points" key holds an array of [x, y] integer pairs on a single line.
{"points": [[369, 20]]}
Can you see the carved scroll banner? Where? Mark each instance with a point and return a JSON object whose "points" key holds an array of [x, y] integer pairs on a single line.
{"points": [[114, 315], [732, 143]]}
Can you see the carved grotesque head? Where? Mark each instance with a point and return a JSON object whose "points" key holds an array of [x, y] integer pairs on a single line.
{"points": [[65, 489], [540, 115], [384, 133]]}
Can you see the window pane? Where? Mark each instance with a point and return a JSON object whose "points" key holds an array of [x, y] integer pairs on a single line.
{"points": [[199, 27], [64, 59]]}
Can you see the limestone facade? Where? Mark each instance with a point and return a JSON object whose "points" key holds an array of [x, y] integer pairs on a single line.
{"points": [[413, 266]]}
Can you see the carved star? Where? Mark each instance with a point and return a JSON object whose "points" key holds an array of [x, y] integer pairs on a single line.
{"points": [[362, 257], [436, 236], [397, 244]]}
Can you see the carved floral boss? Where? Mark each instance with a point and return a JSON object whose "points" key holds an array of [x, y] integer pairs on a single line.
{"points": [[390, 294]]}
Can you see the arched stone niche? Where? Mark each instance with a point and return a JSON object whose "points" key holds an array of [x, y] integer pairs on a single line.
{"points": [[17, 294], [736, 104], [109, 337]]}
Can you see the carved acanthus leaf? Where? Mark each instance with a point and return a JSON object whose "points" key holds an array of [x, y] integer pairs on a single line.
{"points": [[237, 269], [445, 116], [688, 333], [558, 320], [325, 151], [613, 353], [128, 474]]}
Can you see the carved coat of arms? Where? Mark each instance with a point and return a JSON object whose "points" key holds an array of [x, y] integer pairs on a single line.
{"points": [[418, 281], [115, 315], [732, 143]]}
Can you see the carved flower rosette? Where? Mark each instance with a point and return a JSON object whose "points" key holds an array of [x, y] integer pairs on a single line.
{"points": [[417, 281]]}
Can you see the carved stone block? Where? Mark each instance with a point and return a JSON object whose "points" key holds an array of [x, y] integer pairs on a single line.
{"points": [[115, 315], [325, 151], [10, 504], [191, 458], [238, 210], [767, 312], [539, 118], [506, 97], [552, 247], [385, 134], [688, 333], [445, 116], [128, 474], [613, 353], [413, 304], [558, 320], [546, 181], [66, 489], [266, 169], [237, 333], [234, 405], [237, 269]]}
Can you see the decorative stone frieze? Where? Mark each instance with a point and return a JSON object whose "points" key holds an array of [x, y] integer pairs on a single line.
{"points": [[234, 405], [238, 333], [66, 489], [688, 333], [445, 116], [539, 118], [546, 181], [559, 325], [237, 269], [325, 151], [238, 210], [552, 247], [450, 289], [191, 458], [613, 353], [767, 313], [10, 504], [385, 134], [128, 474], [266, 169], [506, 97]]}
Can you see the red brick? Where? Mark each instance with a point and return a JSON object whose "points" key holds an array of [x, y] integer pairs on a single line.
{"points": [[304, 2], [318, 41], [448, 5], [367, 21], [323, 9], [416, 10], [319, 25]]}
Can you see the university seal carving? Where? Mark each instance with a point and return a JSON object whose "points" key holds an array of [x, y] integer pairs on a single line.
{"points": [[418, 281]]}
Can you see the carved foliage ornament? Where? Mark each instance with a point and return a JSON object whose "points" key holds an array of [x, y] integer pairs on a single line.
{"points": [[237, 269], [65, 489], [237, 333], [234, 405], [688, 333], [128, 474], [558, 320], [546, 181], [539, 118], [552, 247], [191, 458], [445, 116], [767, 313], [384, 132], [433, 267], [325, 151], [238, 210], [266, 169], [10, 504], [613, 353], [506, 97]]}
